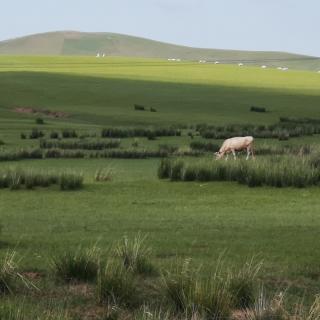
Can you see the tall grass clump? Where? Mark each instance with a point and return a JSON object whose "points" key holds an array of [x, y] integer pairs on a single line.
{"points": [[135, 255], [244, 285], [12, 311], [190, 294], [16, 178], [71, 181], [278, 172], [80, 144], [81, 264], [36, 134], [164, 168], [20, 154], [10, 277], [103, 174], [116, 286], [265, 308], [313, 313]]}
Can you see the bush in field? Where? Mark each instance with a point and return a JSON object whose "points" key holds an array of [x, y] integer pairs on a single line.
{"points": [[1, 143], [153, 109], [23, 136], [135, 255], [39, 121], [69, 133], [71, 181], [116, 286], [36, 134], [139, 107], [257, 109], [54, 135], [81, 265]]}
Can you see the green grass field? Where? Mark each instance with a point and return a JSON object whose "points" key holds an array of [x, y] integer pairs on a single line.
{"points": [[181, 219]]}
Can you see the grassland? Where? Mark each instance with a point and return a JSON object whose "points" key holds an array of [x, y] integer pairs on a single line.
{"points": [[182, 219]]}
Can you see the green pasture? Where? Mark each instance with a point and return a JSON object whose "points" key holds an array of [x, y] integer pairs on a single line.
{"points": [[103, 92], [181, 219]]}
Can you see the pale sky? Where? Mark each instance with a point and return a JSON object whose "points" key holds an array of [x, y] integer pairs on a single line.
{"points": [[275, 25]]}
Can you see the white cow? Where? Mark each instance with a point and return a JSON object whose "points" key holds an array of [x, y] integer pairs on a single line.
{"points": [[236, 144]]}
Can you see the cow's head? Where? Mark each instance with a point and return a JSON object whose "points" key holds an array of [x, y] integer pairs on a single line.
{"points": [[218, 155]]}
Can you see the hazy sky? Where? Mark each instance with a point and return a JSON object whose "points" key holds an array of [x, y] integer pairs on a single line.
{"points": [[279, 25]]}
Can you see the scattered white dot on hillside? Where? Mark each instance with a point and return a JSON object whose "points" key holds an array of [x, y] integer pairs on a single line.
{"points": [[240, 64], [264, 67]]}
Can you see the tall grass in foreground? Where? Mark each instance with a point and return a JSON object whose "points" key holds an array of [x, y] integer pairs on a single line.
{"points": [[243, 285], [81, 265], [116, 286], [16, 178], [10, 277], [275, 172], [135, 255], [190, 294]]}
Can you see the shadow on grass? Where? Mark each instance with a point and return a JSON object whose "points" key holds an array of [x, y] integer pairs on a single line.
{"points": [[105, 101]]}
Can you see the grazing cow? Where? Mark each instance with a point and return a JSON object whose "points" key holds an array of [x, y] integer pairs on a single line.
{"points": [[236, 144]]}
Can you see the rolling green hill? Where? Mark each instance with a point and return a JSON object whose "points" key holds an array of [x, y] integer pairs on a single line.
{"points": [[89, 44]]}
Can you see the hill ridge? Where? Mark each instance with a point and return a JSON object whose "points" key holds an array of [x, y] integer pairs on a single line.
{"points": [[77, 43]]}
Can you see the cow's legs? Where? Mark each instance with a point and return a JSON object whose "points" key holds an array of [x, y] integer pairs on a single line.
{"points": [[227, 156], [248, 153], [234, 154]]}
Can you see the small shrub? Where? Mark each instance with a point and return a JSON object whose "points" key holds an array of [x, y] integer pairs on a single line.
{"points": [[257, 109], [54, 135], [36, 134], [69, 133], [23, 136], [39, 121], [116, 286], [153, 109], [81, 265], [139, 107], [1, 143]]}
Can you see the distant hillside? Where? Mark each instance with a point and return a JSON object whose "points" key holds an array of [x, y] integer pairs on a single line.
{"points": [[112, 44]]}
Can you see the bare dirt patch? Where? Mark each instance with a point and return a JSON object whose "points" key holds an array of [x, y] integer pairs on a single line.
{"points": [[41, 112]]}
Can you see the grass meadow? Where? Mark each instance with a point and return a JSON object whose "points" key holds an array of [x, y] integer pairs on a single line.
{"points": [[219, 225]]}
